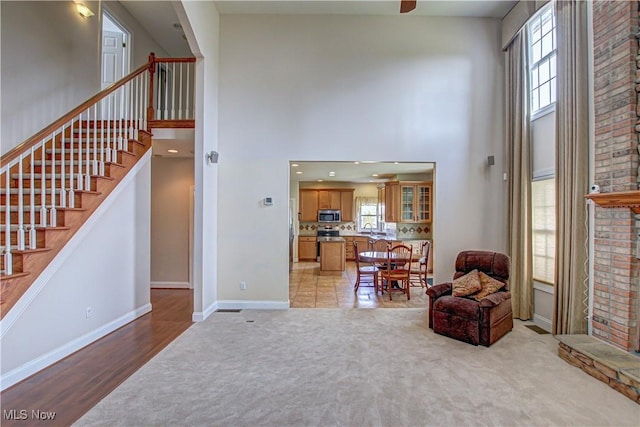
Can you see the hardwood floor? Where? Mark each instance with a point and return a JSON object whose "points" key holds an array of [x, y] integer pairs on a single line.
{"points": [[77, 383]]}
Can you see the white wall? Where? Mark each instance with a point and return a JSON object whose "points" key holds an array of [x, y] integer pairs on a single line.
{"points": [[51, 62], [340, 88], [171, 182], [200, 21], [107, 269]]}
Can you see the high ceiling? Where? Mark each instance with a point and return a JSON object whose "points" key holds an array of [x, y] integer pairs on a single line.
{"points": [[161, 22]]}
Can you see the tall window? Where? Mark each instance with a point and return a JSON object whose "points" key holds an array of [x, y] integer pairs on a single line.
{"points": [[542, 59], [542, 95]]}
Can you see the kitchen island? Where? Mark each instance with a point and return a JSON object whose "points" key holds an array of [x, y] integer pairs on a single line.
{"points": [[332, 255]]}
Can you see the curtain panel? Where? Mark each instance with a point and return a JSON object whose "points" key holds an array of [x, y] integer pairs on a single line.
{"points": [[518, 148], [572, 168]]}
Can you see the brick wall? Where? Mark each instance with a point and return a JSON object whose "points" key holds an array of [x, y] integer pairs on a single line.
{"points": [[617, 89]]}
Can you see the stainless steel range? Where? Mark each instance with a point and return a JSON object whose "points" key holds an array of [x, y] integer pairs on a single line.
{"points": [[325, 234]]}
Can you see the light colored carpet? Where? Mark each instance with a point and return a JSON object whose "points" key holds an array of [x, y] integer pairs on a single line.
{"points": [[354, 367]]}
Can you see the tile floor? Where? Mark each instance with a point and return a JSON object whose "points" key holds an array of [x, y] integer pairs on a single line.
{"points": [[307, 289]]}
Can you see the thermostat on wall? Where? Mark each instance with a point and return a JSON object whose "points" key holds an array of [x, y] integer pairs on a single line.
{"points": [[268, 201]]}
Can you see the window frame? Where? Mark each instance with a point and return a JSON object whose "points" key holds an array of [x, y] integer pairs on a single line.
{"points": [[374, 215], [537, 18]]}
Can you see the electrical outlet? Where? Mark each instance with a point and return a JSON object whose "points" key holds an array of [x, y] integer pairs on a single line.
{"points": [[243, 286], [89, 312]]}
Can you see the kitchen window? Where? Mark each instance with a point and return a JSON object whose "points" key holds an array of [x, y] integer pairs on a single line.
{"points": [[367, 208], [542, 61]]}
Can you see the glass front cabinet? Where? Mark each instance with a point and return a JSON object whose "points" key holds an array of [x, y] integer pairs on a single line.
{"points": [[415, 202]]}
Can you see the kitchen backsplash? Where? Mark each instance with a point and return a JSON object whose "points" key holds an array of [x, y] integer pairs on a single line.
{"points": [[403, 230]]}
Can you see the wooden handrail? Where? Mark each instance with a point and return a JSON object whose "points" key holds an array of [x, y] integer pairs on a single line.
{"points": [[175, 60], [15, 152]]}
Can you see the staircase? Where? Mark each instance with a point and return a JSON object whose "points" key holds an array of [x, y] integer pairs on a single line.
{"points": [[53, 182]]}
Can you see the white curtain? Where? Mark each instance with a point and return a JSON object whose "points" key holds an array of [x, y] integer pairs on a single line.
{"points": [[572, 160], [519, 172]]}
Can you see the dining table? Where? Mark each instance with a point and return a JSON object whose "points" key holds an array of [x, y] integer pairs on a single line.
{"points": [[381, 256]]}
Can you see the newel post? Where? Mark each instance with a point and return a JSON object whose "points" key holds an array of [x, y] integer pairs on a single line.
{"points": [[152, 70]]}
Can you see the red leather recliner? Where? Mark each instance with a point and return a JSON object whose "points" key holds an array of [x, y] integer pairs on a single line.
{"points": [[476, 322]]}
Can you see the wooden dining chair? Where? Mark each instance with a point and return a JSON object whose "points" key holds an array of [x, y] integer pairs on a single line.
{"points": [[364, 270], [397, 273], [379, 245], [420, 267]]}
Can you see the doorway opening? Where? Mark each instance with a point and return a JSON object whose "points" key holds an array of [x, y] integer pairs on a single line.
{"points": [[115, 51], [373, 200]]}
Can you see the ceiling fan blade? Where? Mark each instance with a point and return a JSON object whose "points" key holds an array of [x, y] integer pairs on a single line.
{"points": [[407, 5]]}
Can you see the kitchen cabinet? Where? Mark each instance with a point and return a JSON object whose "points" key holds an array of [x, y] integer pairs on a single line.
{"points": [[346, 205], [332, 257], [313, 199], [329, 199], [307, 248], [392, 202], [415, 202], [308, 205]]}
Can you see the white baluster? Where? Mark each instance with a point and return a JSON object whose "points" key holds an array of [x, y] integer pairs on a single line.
{"points": [[166, 94], [43, 188], [95, 164], [80, 179], [63, 192], [52, 210], [87, 151], [180, 93], [186, 103], [145, 99], [20, 231], [8, 257], [173, 91], [32, 202]]}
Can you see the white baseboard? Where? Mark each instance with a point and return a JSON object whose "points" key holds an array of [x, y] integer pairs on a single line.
{"points": [[170, 285], [199, 316], [254, 305], [18, 374], [543, 322]]}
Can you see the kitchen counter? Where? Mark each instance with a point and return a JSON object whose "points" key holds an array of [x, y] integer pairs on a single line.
{"points": [[330, 239]]}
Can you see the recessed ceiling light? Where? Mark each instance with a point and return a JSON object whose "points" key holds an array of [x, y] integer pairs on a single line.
{"points": [[299, 172], [320, 180], [332, 174], [294, 165], [375, 174], [396, 163], [172, 151], [356, 163]]}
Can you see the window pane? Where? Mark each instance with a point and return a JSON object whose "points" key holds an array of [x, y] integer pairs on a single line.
{"points": [[552, 66], [543, 229], [535, 104], [536, 52], [553, 89], [544, 71], [535, 32], [547, 44], [547, 22], [545, 94], [534, 78], [368, 210]]}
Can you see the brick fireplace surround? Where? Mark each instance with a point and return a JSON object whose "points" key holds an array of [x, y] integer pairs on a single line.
{"points": [[611, 353]]}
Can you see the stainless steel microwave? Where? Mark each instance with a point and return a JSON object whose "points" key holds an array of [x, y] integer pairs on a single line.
{"points": [[328, 215]]}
